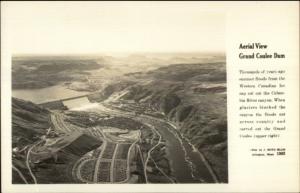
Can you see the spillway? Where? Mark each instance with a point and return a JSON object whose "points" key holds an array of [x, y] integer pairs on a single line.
{"points": [[78, 103]]}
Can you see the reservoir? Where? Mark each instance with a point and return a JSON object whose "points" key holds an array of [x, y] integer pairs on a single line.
{"points": [[42, 95], [186, 164]]}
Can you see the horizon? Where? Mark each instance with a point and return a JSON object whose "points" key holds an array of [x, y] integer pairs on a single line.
{"points": [[219, 53]]}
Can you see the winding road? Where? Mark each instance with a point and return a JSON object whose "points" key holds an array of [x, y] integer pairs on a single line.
{"points": [[197, 168], [188, 166], [149, 152], [28, 159]]}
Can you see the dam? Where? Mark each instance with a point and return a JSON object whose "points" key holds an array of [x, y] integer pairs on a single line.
{"points": [[79, 104], [67, 103], [74, 103]]}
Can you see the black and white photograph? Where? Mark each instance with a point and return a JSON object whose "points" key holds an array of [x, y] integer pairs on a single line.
{"points": [[118, 93]]}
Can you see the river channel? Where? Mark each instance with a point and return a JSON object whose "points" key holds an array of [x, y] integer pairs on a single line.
{"points": [[186, 163]]}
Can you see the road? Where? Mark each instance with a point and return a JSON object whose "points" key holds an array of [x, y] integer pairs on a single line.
{"points": [[98, 162], [159, 127], [20, 173], [112, 166], [57, 120], [28, 158], [128, 158], [166, 126], [149, 152], [107, 156]]}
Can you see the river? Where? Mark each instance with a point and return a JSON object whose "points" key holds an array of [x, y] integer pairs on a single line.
{"points": [[186, 163]]}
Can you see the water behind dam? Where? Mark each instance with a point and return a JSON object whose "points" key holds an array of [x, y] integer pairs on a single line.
{"points": [[179, 152], [43, 95]]}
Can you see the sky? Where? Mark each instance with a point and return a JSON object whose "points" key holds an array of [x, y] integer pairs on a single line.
{"points": [[103, 27]]}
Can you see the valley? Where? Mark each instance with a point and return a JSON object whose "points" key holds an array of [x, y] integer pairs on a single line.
{"points": [[165, 124]]}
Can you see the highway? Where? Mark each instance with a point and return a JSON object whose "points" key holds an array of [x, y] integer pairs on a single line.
{"points": [[112, 166], [106, 162], [166, 127], [128, 159], [98, 162], [60, 125], [28, 159], [107, 156]]}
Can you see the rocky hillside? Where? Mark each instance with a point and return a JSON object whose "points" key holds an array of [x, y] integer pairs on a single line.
{"points": [[194, 97], [29, 122]]}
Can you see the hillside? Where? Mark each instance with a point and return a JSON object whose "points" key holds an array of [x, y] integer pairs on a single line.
{"points": [[29, 122], [191, 95], [40, 72], [148, 112], [51, 152]]}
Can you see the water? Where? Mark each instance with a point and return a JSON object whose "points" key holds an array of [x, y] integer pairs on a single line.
{"points": [[180, 166], [186, 163], [42, 95], [200, 171]]}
